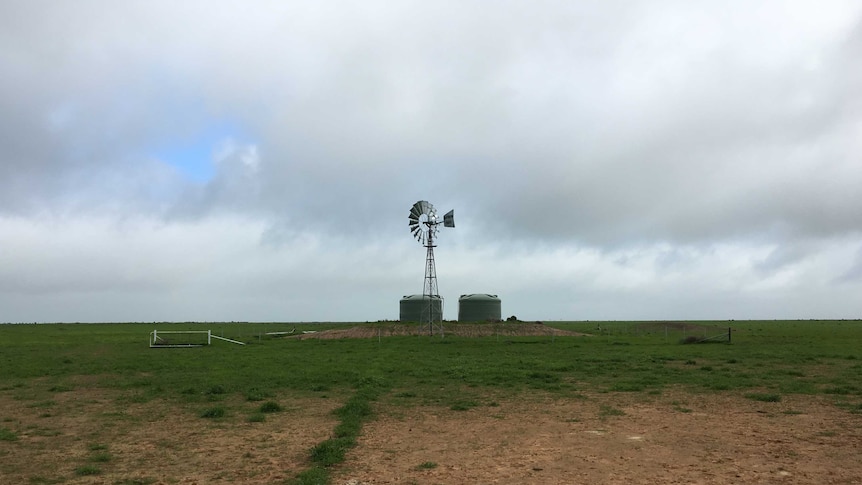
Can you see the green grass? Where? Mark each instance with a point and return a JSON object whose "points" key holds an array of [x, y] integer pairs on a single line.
{"points": [[40, 480], [784, 357], [680, 408], [352, 415], [102, 457], [256, 418], [766, 359], [270, 407], [775, 355], [315, 475], [87, 470], [42, 404], [255, 394], [331, 452], [763, 397], [136, 481], [606, 410], [463, 405], [213, 412], [8, 435]]}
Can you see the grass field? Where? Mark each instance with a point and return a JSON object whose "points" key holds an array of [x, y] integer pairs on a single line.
{"points": [[46, 369]]}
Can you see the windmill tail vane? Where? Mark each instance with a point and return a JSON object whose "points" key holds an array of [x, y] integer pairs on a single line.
{"points": [[449, 219]]}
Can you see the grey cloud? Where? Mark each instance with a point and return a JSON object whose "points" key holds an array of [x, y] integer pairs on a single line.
{"points": [[785, 255], [585, 123], [853, 274], [598, 125]]}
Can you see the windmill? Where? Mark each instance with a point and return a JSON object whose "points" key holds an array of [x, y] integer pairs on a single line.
{"points": [[424, 227]]}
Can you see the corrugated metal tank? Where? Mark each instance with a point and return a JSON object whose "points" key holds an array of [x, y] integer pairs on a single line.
{"points": [[412, 306], [478, 307]]}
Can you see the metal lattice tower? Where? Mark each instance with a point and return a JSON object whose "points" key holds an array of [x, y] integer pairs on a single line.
{"points": [[424, 226], [430, 293]]}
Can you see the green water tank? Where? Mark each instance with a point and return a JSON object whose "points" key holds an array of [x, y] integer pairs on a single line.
{"points": [[412, 307], [479, 307]]}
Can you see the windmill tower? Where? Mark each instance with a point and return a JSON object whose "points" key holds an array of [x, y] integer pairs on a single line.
{"points": [[424, 227]]}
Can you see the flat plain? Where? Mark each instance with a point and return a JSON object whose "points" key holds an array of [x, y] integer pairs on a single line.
{"points": [[626, 402]]}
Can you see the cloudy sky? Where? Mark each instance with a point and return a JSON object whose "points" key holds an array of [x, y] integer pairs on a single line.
{"points": [[257, 160]]}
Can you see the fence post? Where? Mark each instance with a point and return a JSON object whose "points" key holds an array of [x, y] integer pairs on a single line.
{"points": [[728, 334]]}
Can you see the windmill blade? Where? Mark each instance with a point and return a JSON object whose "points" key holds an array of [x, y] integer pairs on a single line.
{"points": [[415, 211], [413, 218], [426, 228], [449, 219]]}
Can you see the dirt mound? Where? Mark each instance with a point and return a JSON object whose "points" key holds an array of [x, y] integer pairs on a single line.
{"points": [[460, 329]]}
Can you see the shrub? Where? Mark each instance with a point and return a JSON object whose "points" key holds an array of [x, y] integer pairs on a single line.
{"points": [[331, 451], [763, 397], [313, 476], [7, 435], [101, 457], [216, 389], [87, 470], [463, 405], [255, 394], [211, 413], [610, 411], [270, 407]]}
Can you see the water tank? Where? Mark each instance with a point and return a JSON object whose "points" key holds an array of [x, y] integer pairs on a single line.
{"points": [[478, 307], [412, 307]]}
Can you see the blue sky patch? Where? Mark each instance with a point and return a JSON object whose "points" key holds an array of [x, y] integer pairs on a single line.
{"points": [[193, 155]]}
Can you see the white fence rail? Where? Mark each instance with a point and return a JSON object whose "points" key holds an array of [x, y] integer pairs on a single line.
{"points": [[159, 342]]}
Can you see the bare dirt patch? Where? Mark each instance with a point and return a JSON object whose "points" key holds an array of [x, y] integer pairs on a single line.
{"points": [[602, 438], [519, 329], [155, 442], [675, 438]]}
